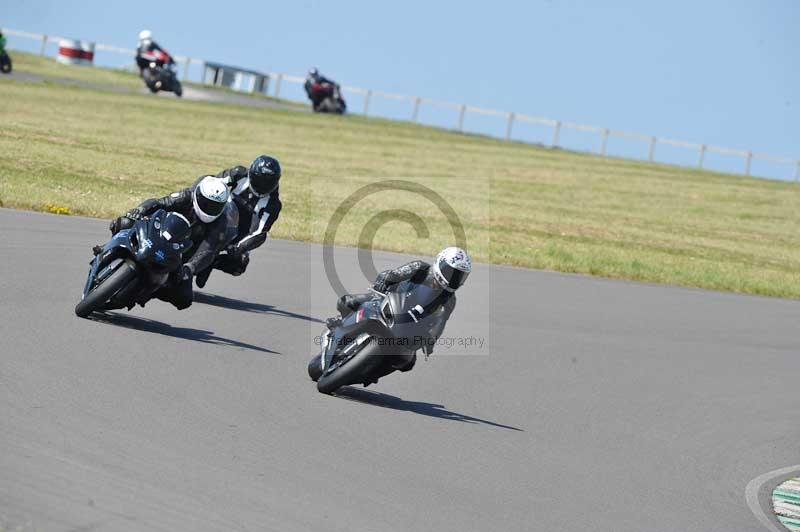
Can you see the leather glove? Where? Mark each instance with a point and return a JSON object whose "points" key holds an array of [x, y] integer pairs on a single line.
{"points": [[238, 172], [135, 214], [380, 283]]}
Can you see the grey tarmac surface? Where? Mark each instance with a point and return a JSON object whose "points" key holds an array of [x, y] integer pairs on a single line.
{"points": [[190, 92], [597, 405]]}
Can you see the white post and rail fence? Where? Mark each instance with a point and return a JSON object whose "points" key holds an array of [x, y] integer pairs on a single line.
{"points": [[416, 103]]}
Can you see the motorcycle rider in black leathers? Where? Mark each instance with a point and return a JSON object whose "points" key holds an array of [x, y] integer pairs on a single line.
{"points": [[145, 52], [206, 206], [448, 272], [312, 87], [255, 193]]}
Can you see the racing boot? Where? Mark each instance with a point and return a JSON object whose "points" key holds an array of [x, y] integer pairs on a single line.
{"points": [[202, 277]]}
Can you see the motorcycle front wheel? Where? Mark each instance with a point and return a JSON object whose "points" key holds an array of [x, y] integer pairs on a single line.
{"points": [[353, 371], [315, 368], [101, 294]]}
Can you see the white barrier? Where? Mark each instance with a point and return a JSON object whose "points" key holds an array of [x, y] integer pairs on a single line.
{"points": [[510, 117]]}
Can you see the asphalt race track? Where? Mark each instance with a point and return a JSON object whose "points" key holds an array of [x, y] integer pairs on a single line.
{"points": [[597, 405]]}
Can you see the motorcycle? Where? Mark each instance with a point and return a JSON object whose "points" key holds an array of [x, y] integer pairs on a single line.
{"points": [[333, 102], [135, 263], [160, 74], [5, 62], [381, 337]]}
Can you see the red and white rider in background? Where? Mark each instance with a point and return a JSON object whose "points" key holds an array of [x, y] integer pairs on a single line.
{"points": [[150, 52]]}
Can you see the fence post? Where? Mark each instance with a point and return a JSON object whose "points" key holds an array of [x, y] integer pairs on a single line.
{"points": [[702, 156], [415, 113], [652, 150], [366, 101], [604, 142], [44, 45], [278, 79], [556, 133], [461, 117], [186, 69], [747, 161], [509, 125]]}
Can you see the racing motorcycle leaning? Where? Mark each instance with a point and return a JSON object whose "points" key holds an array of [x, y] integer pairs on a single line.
{"points": [[381, 337], [332, 100], [135, 263], [160, 74], [5, 62]]}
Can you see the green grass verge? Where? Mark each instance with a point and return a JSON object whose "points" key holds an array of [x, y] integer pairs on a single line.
{"points": [[49, 68], [99, 153]]}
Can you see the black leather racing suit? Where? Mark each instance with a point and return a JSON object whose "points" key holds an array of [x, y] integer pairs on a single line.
{"points": [[208, 239], [256, 216], [417, 272]]}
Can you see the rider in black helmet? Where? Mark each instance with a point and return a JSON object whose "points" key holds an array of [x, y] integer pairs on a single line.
{"points": [[255, 193]]}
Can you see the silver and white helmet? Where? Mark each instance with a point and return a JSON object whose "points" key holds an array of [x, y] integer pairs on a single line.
{"points": [[209, 198], [145, 35], [451, 268]]}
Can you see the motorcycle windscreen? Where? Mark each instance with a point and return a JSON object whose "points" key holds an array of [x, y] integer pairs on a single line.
{"points": [[175, 227]]}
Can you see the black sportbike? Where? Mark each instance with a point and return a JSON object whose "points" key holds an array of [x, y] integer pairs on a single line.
{"points": [[5, 62], [380, 337], [135, 263], [333, 102], [160, 74]]}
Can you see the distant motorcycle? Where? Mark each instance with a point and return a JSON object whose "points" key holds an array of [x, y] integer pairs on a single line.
{"points": [[135, 263], [160, 74], [5, 62], [332, 100], [379, 338]]}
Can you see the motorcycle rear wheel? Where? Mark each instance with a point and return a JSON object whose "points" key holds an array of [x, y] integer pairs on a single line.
{"points": [[100, 295], [5, 64]]}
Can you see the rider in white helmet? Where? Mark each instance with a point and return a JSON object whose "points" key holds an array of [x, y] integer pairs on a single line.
{"points": [[212, 218], [448, 273], [146, 51]]}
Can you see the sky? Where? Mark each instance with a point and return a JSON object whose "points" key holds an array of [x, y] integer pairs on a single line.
{"points": [[717, 72]]}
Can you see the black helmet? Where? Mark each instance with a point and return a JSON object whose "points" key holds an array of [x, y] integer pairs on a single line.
{"points": [[264, 174]]}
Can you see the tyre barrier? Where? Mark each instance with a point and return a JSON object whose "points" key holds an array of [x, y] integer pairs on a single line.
{"points": [[75, 52]]}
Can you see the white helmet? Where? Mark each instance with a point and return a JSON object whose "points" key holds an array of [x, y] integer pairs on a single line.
{"points": [[209, 198], [451, 268], [145, 35]]}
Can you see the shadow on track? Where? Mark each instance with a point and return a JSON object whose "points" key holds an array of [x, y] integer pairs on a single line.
{"points": [[246, 306], [186, 333], [384, 400]]}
